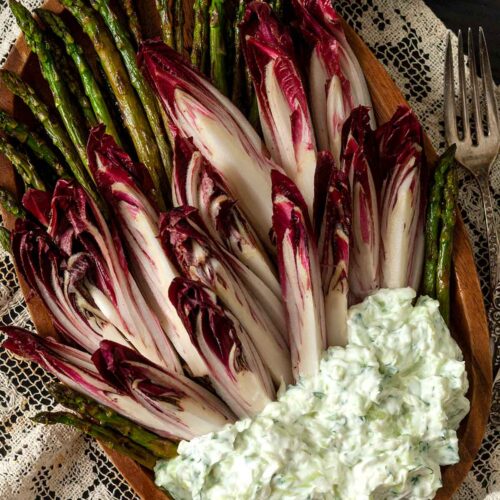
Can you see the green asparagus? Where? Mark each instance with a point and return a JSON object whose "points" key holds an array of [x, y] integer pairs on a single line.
{"points": [[54, 129], [88, 408], [164, 8], [133, 20], [90, 84], [5, 239], [433, 222], [36, 144], [108, 437], [22, 164], [179, 25], [132, 112], [239, 61], [277, 6], [217, 46], [10, 204], [144, 91], [448, 217], [73, 82], [199, 50], [64, 103]]}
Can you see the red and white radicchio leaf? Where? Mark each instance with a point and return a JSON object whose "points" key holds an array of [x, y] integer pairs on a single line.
{"points": [[300, 276], [76, 369], [111, 296], [44, 268], [336, 81], [334, 255], [403, 201], [138, 219], [235, 367], [357, 159], [218, 129], [196, 183], [202, 260], [185, 408], [283, 108]]}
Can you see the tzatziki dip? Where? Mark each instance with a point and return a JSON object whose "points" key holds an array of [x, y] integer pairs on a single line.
{"points": [[376, 422]]}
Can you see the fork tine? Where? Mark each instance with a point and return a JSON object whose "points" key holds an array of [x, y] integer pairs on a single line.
{"points": [[476, 106], [488, 85], [463, 87], [450, 114]]}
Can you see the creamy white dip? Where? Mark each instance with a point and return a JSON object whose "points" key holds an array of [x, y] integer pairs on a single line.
{"points": [[377, 421]]}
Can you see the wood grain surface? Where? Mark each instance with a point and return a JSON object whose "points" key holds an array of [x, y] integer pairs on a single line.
{"points": [[469, 325]]}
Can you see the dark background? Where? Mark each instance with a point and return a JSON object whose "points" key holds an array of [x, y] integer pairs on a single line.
{"points": [[462, 14]]}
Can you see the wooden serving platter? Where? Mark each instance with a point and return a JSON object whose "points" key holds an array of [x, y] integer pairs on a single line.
{"points": [[469, 326]]}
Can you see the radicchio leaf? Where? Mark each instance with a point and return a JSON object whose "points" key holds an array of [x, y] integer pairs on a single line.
{"points": [[37, 203], [218, 129], [299, 275], [76, 369], [283, 109], [403, 200], [202, 260], [235, 368], [198, 184], [58, 283], [186, 409], [334, 255], [76, 224], [336, 81], [138, 222], [358, 157]]}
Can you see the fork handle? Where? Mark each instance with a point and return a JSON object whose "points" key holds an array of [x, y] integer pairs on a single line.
{"points": [[491, 231]]}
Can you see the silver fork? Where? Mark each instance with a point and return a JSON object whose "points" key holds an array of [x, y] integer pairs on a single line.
{"points": [[478, 159]]}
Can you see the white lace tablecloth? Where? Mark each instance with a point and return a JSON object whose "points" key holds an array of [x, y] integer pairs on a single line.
{"points": [[57, 463]]}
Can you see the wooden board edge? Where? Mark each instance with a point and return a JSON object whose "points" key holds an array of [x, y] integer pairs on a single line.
{"points": [[139, 479]]}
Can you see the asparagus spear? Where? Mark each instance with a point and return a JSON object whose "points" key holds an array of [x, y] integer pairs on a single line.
{"points": [[239, 61], [108, 437], [133, 20], [5, 239], [132, 112], [73, 83], [90, 84], [179, 25], [22, 164], [54, 129], [88, 408], [10, 204], [199, 51], [144, 91], [277, 6], [62, 98], [433, 221], [217, 46], [448, 217], [36, 144], [166, 20]]}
